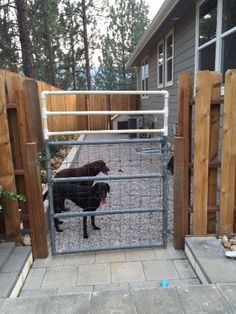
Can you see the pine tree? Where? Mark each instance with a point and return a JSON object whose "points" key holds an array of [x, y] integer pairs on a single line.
{"points": [[127, 22]]}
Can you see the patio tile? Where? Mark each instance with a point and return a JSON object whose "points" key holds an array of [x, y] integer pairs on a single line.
{"points": [[34, 278], [60, 277], [38, 292], [74, 290], [79, 259], [139, 255], [229, 293], [184, 269], [127, 272], [169, 253], [50, 261], [113, 256], [112, 287], [94, 274], [157, 270]]}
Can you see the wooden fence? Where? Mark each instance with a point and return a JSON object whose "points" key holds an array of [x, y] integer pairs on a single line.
{"points": [[21, 140], [204, 179]]}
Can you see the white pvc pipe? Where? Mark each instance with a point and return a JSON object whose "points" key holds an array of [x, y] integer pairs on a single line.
{"points": [[83, 113], [107, 131]]}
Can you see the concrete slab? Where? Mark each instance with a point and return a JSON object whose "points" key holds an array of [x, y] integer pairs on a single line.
{"points": [[17, 259], [38, 292], [35, 278], [157, 270], [5, 251], [74, 290], [79, 259], [229, 293], [184, 269], [160, 300], [7, 282], [219, 270], [202, 299], [112, 287], [25, 305], [205, 247], [139, 255], [60, 277], [94, 274], [108, 257], [169, 253], [112, 302], [172, 283], [127, 272]]}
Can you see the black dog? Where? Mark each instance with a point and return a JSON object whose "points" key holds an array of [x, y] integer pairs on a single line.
{"points": [[86, 197], [170, 165]]}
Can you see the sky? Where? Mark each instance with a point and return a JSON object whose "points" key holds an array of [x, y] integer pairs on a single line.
{"points": [[154, 7]]}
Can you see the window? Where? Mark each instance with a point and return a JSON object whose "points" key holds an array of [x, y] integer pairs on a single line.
{"points": [[169, 55], [216, 35], [145, 75], [160, 64]]}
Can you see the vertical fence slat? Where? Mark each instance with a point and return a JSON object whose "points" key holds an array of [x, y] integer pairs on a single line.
{"points": [[214, 146], [228, 155], [7, 178], [185, 92], [36, 207], [201, 152], [179, 190]]}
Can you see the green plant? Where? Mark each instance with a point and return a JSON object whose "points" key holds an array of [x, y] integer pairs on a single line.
{"points": [[9, 195]]}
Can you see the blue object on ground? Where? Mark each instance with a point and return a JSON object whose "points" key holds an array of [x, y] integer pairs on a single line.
{"points": [[164, 283]]}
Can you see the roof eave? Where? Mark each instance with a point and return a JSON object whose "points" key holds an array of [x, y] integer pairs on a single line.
{"points": [[160, 17]]}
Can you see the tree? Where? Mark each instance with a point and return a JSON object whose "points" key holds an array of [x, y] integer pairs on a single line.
{"points": [[24, 33], [127, 22]]}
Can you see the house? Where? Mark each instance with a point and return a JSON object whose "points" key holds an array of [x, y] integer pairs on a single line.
{"points": [[185, 35]]}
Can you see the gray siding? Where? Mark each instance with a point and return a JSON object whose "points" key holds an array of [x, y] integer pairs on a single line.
{"points": [[184, 55]]}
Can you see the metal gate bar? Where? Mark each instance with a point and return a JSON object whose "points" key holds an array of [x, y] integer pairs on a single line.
{"points": [[162, 139]]}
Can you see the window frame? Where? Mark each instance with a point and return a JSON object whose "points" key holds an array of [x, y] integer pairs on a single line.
{"points": [[161, 85], [146, 59], [169, 83], [218, 39]]}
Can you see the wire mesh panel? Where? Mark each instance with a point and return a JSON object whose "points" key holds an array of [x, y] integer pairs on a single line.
{"points": [[134, 212]]}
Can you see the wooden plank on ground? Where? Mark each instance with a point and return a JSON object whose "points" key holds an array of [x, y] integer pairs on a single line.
{"points": [[201, 152], [228, 155], [214, 146], [179, 190], [36, 208], [7, 178]]}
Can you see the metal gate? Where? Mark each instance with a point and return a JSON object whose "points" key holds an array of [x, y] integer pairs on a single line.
{"points": [[136, 216]]}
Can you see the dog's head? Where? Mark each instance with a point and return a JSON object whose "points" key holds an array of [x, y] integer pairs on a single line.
{"points": [[99, 166], [101, 189]]}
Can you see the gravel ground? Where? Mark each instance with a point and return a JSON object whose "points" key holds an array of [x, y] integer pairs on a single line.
{"points": [[126, 229]]}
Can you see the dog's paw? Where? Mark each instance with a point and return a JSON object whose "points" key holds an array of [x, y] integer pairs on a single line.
{"points": [[85, 236], [59, 230], [96, 228], [60, 222]]}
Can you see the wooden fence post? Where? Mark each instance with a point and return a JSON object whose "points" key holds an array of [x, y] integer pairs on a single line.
{"points": [[182, 159], [37, 216], [201, 152], [228, 155], [7, 177]]}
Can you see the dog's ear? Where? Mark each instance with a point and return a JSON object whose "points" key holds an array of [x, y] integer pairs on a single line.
{"points": [[108, 187]]}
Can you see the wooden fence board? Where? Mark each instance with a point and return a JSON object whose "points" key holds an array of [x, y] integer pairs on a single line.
{"points": [[228, 155], [214, 147], [7, 178], [201, 151], [81, 105]]}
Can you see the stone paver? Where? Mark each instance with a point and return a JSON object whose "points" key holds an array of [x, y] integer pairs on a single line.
{"points": [[229, 293], [60, 277], [203, 299], [157, 270], [108, 257], [38, 292], [74, 290], [169, 253], [113, 302], [140, 255], [35, 278], [94, 274], [50, 261], [184, 269], [5, 251], [157, 283], [79, 259], [17, 259], [156, 301], [127, 272], [7, 281]]}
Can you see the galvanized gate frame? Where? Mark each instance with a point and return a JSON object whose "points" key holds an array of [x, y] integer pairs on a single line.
{"points": [[162, 138]]}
